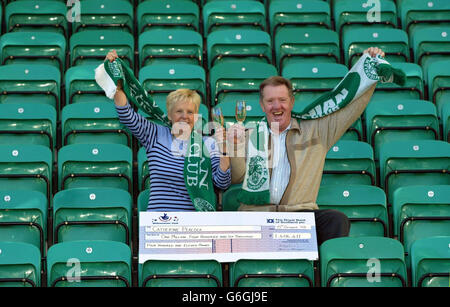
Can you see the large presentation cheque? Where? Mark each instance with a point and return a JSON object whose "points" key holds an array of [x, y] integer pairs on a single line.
{"points": [[227, 236]]}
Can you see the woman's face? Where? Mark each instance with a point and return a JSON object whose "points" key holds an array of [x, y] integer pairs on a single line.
{"points": [[183, 116]]}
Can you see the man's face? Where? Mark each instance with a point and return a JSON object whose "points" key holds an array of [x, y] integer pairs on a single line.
{"points": [[277, 105]]}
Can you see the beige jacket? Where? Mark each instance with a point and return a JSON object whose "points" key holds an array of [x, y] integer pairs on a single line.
{"points": [[307, 143]]}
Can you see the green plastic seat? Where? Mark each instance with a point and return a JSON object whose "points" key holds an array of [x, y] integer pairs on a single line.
{"points": [[167, 14], [272, 273], [413, 162], [349, 163], [90, 47], [89, 263], [394, 42], [29, 47], [94, 123], [23, 218], [311, 45], [180, 273], [446, 122], [430, 258], [92, 214], [30, 83], [359, 14], [95, 165], [20, 265], [22, 123], [229, 198], [421, 14], [295, 14], [228, 14], [161, 79], [105, 14], [353, 262], [80, 85], [412, 89], [39, 15], [162, 46], [431, 44], [438, 81], [421, 211], [243, 45], [400, 120], [364, 205], [29, 167], [230, 82]]}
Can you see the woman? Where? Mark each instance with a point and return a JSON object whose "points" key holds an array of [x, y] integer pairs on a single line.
{"points": [[167, 148]]}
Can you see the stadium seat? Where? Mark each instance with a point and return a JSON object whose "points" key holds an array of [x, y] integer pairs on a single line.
{"points": [[36, 16], [421, 14], [180, 273], [23, 217], [30, 83], [400, 120], [162, 46], [394, 42], [364, 205], [295, 14], [22, 123], [306, 45], [362, 262], [421, 211], [33, 48], [446, 122], [438, 81], [430, 259], [105, 14], [350, 14], [412, 89], [429, 45], [414, 162], [92, 214], [91, 47], [167, 14], [89, 264], [272, 273], [95, 165], [230, 82], [80, 85], [228, 14], [161, 79], [95, 123], [243, 45], [29, 167], [349, 163], [20, 265]]}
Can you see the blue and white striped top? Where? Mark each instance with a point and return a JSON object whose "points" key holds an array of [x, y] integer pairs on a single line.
{"points": [[165, 157]]}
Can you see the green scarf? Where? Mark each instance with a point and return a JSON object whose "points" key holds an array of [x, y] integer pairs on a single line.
{"points": [[197, 163], [366, 72]]}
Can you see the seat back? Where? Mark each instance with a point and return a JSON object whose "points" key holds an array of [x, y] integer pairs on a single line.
{"points": [[362, 262], [92, 213], [438, 81], [364, 205], [89, 264], [20, 265], [430, 44], [81, 86]]}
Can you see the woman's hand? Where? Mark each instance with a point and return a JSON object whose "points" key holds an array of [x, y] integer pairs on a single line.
{"points": [[120, 99]]}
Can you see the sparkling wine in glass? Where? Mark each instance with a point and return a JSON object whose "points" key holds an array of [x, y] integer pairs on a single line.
{"points": [[241, 111], [218, 116]]}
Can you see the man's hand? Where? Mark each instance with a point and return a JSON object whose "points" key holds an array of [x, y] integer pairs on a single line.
{"points": [[374, 51]]}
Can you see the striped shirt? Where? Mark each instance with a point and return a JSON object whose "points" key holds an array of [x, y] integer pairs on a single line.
{"points": [[165, 157]]}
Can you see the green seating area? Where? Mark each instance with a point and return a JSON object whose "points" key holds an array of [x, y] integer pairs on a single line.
{"points": [[73, 179]]}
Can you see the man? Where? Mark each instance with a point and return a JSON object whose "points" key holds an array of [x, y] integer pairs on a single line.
{"points": [[297, 151]]}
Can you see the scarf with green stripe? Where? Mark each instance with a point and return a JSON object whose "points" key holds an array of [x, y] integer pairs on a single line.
{"points": [[197, 163], [366, 72]]}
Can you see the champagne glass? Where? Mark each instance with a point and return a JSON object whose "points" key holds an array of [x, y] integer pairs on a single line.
{"points": [[218, 116], [241, 111]]}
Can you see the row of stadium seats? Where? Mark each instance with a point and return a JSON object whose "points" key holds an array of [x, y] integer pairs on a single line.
{"points": [[344, 262]]}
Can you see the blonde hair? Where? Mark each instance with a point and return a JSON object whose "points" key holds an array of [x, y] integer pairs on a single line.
{"points": [[182, 95]]}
